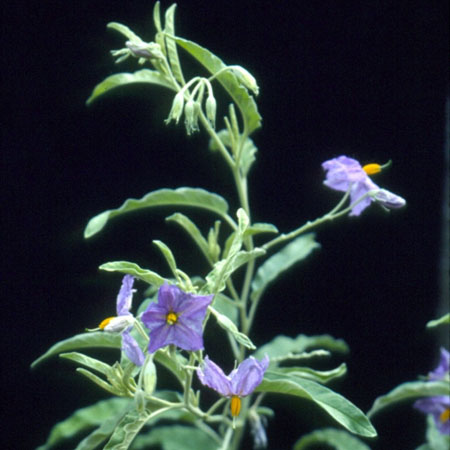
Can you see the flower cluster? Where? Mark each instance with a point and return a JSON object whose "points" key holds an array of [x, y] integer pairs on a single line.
{"points": [[439, 406], [346, 174]]}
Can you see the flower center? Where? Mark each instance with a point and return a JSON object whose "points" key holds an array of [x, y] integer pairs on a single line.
{"points": [[105, 322], [445, 415], [372, 169], [235, 405], [171, 318]]}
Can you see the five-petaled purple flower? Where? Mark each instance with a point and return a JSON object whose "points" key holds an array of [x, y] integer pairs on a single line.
{"points": [[344, 173], [124, 321], [240, 382], [438, 406], [176, 319]]}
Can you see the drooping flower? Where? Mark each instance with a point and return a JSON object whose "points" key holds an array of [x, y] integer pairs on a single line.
{"points": [[176, 319], [240, 382], [438, 406], [344, 173], [124, 321]]}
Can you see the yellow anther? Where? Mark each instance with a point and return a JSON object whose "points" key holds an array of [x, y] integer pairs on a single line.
{"points": [[372, 169], [171, 318], [235, 405], [445, 415], [105, 322]]}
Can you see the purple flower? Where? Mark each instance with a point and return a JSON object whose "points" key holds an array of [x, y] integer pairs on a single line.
{"points": [[239, 383], [124, 321], [176, 319], [439, 407], [344, 173], [443, 368]]}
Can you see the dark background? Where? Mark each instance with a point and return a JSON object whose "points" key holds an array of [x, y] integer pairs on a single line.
{"points": [[366, 79]]}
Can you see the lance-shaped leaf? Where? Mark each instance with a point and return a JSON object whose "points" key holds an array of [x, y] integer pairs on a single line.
{"points": [[96, 339], [441, 321], [147, 76], [410, 391], [284, 347], [172, 52], [321, 376], [87, 361], [337, 439], [130, 268], [84, 419], [337, 406], [292, 253], [191, 197], [245, 102], [228, 325]]}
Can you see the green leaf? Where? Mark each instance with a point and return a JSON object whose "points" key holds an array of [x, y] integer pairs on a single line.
{"points": [[168, 255], [126, 78], [284, 347], [100, 382], [410, 391], [157, 16], [441, 321], [321, 376], [176, 437], [229, 326], [133, 269], [84, 419], [95, 339], [123, 29], [245, 102], [193, 197], [436, 439], [193, 231], [293, 252], [169, 30], [338, 407], [226, 306], [87, 361], [338, 439], [258, 228]]}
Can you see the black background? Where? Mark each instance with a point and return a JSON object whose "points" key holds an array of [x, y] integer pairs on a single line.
{"points": [[366, 79]]}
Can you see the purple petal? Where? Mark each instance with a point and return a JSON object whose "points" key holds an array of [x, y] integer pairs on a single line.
{"points": [[211, 375], [160, 337], [343, 171], [194, 306], [358, 190], [436, 406], [125, 295], [167, 296], [443, 368], [248, 375], [154, 316], [187, 338], [131, 348]]}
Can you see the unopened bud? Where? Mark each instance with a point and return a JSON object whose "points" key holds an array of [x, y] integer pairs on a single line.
{"points": [[211, 107], [177, 108], [149, 376], [191, 116], [145, 50], [388, 199], [246, 78]]}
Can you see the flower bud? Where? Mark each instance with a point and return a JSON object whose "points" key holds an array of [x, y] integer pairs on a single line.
{"points": [[246, 78], [191, 116], [149, 376], [177, 108], [117, 324], [145, 50], [388, 199], [211, 107]]}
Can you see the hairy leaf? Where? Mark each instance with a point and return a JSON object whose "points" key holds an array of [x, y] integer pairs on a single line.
{"points": [[338, 439], [96, 339], [193, 197], [410, 391], [169, 30], [337, 406], [292, 253], [133, 269], [321, 376]]}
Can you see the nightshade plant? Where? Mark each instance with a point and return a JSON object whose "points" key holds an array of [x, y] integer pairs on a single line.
{"points": [[166, 334]]}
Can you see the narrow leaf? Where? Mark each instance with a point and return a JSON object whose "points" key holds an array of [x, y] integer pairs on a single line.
{"points": [[283, 347], [337, 406], [172, 52], [338, 439], [84, 419], [125, 78], [292, 253], [87, 361], [133, 269], [229, 81], [410, 391], [321, 376], [229, 326], [96, 339], [441, 321], [193, 197], [168, 255], [99, 381], [123, 29]]}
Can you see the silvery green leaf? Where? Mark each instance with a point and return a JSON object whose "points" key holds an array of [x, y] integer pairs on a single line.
{"points": [[292, 253], [321, 376], [133, 269], [338, 439], [284, 347], [245, 102], [123, 29], [84, 419], [441, 321], [172, 52], [87, 361], [168, 255], [189, 197], [337, 406], [227, 324], [96, 339], [125, 78], [411, 390]]}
